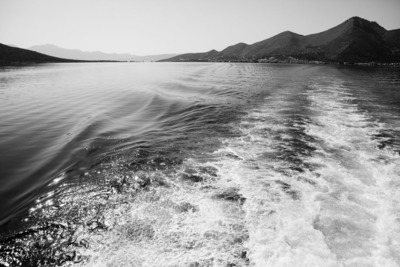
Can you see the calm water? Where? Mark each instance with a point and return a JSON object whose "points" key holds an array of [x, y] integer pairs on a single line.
{"points": [[119, 164]]}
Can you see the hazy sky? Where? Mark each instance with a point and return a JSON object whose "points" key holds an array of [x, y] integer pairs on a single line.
{"points": [[176, 26]]}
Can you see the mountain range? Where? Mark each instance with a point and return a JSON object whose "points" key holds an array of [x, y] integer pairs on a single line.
{"points": [[56, 51], [355, 40]]}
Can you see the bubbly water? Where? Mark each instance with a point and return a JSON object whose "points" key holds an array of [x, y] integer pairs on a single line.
{"points": [[199, 164]]}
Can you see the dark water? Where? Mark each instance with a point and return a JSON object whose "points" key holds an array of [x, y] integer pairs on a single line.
{"points": [[199, 165]]}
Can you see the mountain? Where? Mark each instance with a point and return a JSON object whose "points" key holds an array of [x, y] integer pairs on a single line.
{"points": [[196, 56], [355, 40], [56, 51], [10, 55]]}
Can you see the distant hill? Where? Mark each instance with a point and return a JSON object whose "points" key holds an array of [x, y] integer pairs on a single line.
{"points": [[57, 51], [355, 40], [12, 55]]}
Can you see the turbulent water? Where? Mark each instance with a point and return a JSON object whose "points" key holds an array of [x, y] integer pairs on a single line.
{"points": [[199, 164]]}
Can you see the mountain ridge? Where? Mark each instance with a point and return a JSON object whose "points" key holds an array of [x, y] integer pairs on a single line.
{"points": [[76, 54], [354, 40]]}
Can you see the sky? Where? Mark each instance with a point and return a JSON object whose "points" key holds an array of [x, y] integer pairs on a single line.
{"points": [[176, 26]]}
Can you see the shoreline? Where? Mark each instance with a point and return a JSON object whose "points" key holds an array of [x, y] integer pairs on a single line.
{"points": [[311, 62]]}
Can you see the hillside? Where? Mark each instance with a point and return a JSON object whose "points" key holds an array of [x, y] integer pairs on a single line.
{"points": [[206, 56], [355, 40], [76, 54], [12, 55], [392, 38]]}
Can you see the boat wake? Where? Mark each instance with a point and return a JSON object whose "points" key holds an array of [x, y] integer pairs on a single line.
{"points": [[306, 175]]}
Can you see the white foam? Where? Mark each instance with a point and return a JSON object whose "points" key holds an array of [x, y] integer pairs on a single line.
{"points": [[336, 205], [175, 226], [347, 213]]}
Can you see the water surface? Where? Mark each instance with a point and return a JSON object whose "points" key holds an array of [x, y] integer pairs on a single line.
{"points": [[199, 164]]}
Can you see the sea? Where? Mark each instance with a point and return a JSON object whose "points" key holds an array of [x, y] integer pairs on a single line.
{"points": [[199, 164]]}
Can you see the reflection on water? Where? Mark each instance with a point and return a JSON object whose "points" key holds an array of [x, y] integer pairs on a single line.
{"points": [[199, 165]]}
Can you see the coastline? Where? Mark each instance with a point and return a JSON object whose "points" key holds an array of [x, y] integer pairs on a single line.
{"points": [[299, 61]]}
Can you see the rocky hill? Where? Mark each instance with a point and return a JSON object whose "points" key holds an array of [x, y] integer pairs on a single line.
{"points": [[355, 40], [14, 55]]}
